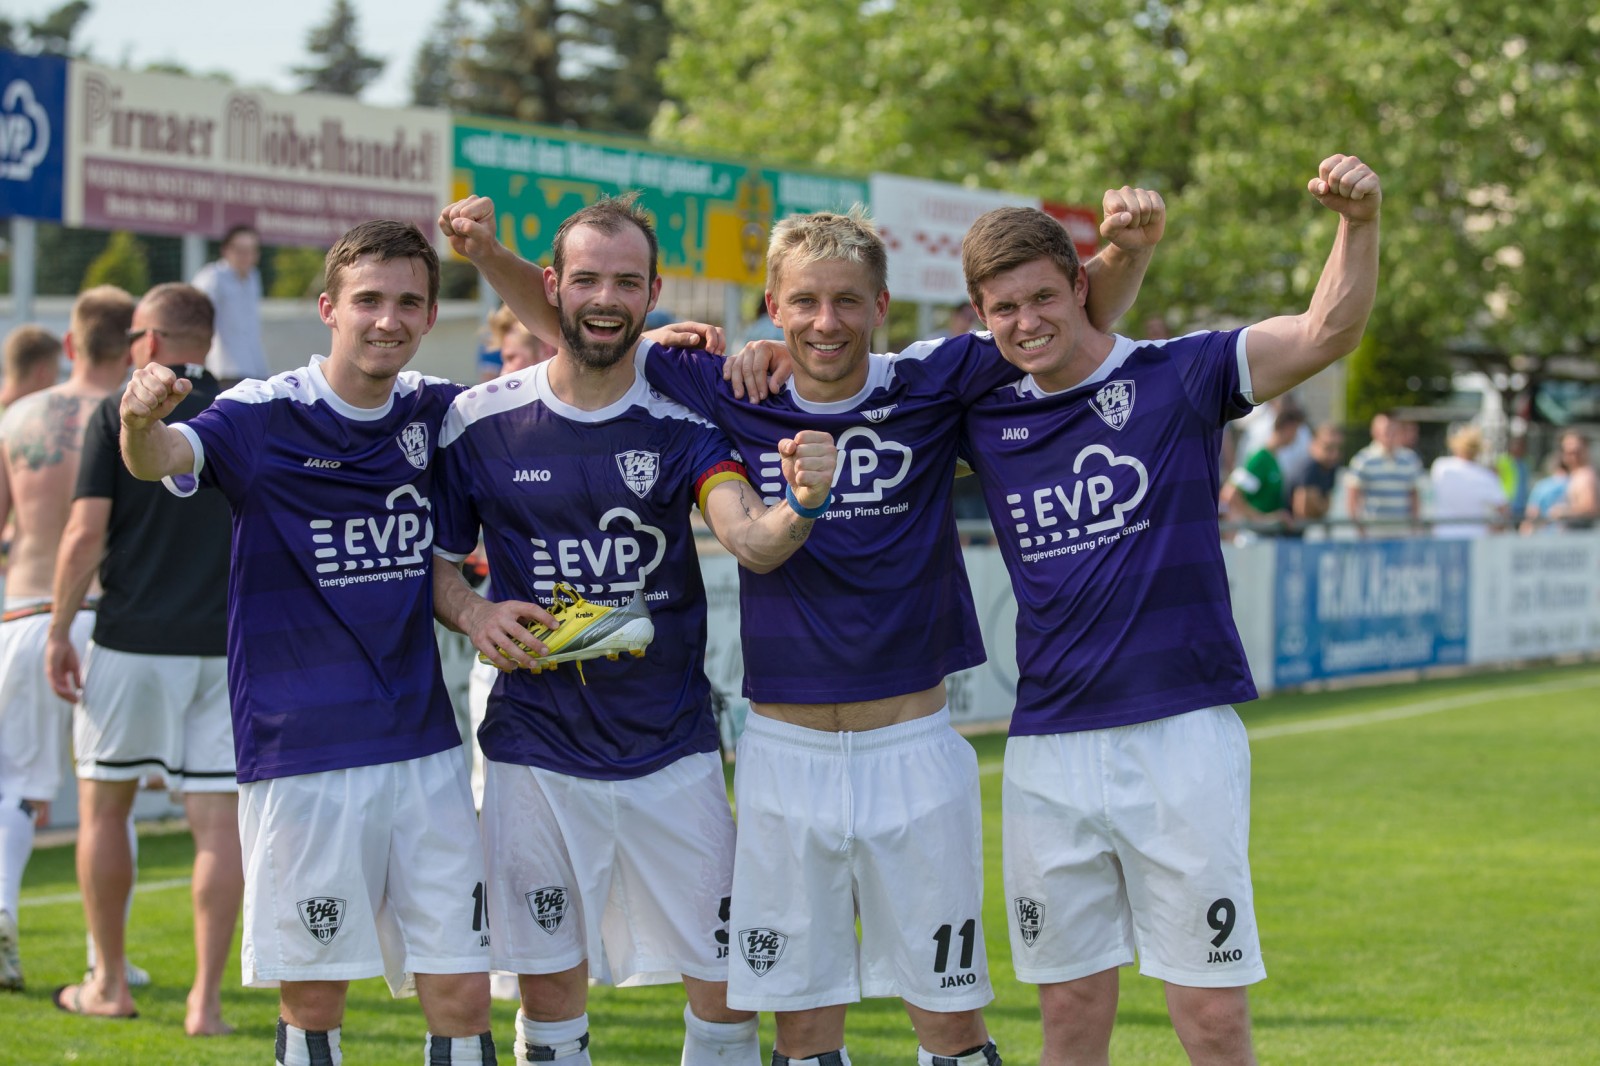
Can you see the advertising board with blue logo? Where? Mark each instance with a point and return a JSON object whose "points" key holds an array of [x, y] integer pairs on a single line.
{"points": [[1348, 608], [33, 123]]}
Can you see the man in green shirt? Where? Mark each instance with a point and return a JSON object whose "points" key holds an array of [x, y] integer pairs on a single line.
{"points": [[1255, 492]]}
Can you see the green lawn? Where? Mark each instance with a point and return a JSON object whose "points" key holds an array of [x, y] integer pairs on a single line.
{"points": [[1426, 870]]}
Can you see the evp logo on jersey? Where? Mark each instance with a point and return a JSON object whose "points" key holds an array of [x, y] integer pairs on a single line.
{"points": [[548, 905], [400, 537], [322, 916], [1030, 919], [639, 471], [1105, 486], [1113, 402], [624, 551], [869, 467], [762, 948], [413, 441]]}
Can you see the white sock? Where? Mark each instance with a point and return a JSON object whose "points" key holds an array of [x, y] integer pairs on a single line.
{"points": [[566, 1042], [986, 1055], [458, 1050], [827, 1058], [16, 844], [720, 1043], [297, 1047]]}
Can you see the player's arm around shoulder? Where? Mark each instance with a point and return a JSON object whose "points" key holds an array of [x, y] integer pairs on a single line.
{"points": [[762, 537], [152, 449], [1283, 352]]}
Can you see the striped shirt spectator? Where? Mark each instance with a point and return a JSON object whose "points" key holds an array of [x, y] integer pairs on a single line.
{"points": [[1383, 481]]}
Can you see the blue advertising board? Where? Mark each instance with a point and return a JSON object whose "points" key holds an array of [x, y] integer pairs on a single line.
{"points": [[33, 134], [1361, 607]]}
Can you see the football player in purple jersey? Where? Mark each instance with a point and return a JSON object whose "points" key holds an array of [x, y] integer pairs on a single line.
{"points": [[358, 832], [1126, 789]]}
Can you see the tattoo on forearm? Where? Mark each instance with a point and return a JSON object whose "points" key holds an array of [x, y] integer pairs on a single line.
{"points": [[49, 431], [801, 529]]}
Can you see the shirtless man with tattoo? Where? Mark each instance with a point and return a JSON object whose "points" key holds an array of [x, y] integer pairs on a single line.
{"points": [[41, 437]]}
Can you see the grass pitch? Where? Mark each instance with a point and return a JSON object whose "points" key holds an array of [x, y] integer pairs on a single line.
{"points": [[1426, 858]]}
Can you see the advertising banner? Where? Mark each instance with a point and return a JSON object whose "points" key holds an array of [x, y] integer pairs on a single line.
{"points": [[713, 217], [1353, 608], [1534, 597], [33, 125], [159, 153], [922, 223]]}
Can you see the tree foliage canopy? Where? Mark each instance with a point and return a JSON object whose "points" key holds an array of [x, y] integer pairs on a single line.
{"points": [[1483, 120], [338, 63]]}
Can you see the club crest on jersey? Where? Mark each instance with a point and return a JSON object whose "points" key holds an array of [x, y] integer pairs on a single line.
{"points": [[1030, 918], [639, 470], [1114, 402], [762, 948], [878, 414], [548, 905], [413, 441], [322, 916]]}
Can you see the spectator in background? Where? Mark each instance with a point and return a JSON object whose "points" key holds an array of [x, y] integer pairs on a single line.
{"points": [[1259, 425], [1257, 491], [1545, 494], [234, 285], [32, 362], [1581, 504], [1516, 478], [158, 701], [1467, 497], [41, 437], [1382, 492], [762, 328], [1311, 494], [963, 319]]}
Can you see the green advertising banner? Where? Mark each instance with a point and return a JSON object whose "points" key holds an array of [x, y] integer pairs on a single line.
{"points": [[712, 216]]}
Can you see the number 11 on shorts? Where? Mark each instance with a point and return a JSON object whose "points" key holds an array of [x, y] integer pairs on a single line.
{"points": [[941, 959]]}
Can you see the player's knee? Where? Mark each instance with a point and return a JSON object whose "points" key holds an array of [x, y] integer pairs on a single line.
{"points": [[708, 1000], [1215, 1020], [454, 1004], [312, 1006], [949, 1033], [555, 997]]}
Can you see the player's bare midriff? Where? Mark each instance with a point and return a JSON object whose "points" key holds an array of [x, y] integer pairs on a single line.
{"points": [[856, 717]]}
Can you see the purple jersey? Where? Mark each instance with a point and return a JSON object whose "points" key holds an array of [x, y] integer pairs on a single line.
{"points": [[876, 603], [599, 500], [332, 661], [1104, 502]]}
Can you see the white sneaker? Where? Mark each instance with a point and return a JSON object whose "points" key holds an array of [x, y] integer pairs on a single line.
{"points": [[10, 958]]}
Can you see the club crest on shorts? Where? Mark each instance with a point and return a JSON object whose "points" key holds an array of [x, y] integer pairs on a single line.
{"points": [[762, 948], [548, 905], [1030, 918], [322, 916], [413, 441], [1114, 402], [639, 470]]}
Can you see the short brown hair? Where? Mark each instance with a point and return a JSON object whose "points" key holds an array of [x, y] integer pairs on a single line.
{"points": [[827, 235], [384, 239], [1006, 238], [502, 324], [609, 215], [100, 320], [29, 347], [182, 309]]}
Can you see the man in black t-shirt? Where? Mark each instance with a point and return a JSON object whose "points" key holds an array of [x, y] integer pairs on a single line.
{"points": [[152, 696], [1312, 491]]}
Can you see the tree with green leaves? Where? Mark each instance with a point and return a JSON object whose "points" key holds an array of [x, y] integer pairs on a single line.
{"points": [[1479, 117], [338, 63], [434, 78], [591, 64], [49, 35]]}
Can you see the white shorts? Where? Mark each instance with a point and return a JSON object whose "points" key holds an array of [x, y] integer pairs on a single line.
{"points": [[480, 683], [359, 872], [885, 824], [632, 875], [34, 721], [1133, 838], [149, 714]]}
